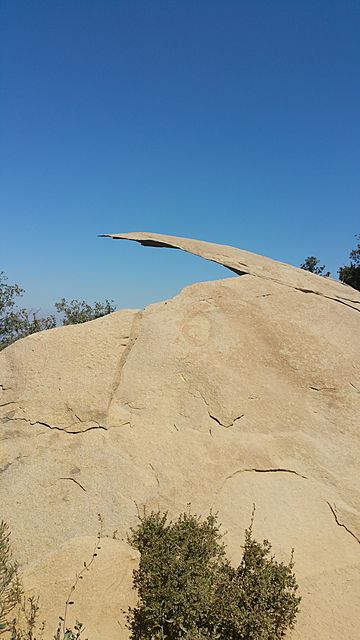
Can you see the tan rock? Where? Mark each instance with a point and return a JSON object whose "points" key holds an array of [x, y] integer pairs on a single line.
{"points": [[240, 391]]}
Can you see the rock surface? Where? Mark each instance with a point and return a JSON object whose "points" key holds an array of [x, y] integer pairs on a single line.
{"points": [[239, 391]]}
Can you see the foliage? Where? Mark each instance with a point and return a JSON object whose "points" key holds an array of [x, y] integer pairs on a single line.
{"points": [[10, 585], [28, 610], [26, 627], [257, 600], [7, 294], [188, 589], [17, 323], [350, 274], [22, 323], [311, 264], [78, 311]]}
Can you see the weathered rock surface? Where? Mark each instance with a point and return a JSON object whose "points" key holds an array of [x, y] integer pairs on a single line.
{"points": [[240, 391]]}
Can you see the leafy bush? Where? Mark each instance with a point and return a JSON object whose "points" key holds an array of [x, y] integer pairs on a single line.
{"points": [[350, 274], [312, 264], [78, 311], [17, 323], [188, 589]]}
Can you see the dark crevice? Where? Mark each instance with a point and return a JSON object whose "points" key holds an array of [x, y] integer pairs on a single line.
{"points": [[322, 295], [76, 482], [276, 470], [236, 271], [280, 470], [153, 243], [354, 387], [231, 424], [217, 420], [257, 470], [50, 426], [341, 524]]}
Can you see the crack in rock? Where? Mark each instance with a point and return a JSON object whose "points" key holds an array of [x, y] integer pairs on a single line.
{"points": [[133, 335], [155, 474], [199, 394], [341, 524], [4, 388], [275, 470], [222, 424], [257, 470], [50, 426], [323, 295], [73, 480], [354, 387]]}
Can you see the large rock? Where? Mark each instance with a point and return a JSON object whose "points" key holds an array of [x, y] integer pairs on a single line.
{"points": [[240, 391]]}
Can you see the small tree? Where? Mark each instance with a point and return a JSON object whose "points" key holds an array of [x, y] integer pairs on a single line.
{"points": [[188, 589], [17, 323], [350, 274], [78, 311], [312, 264]]}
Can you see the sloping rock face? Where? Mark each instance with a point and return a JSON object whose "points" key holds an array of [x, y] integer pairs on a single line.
{"points": [[240, 391]]}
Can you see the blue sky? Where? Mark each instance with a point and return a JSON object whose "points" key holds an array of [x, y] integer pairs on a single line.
{"points": [[236, 122]]}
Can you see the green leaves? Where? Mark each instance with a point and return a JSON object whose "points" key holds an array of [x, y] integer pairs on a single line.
{"points": [[312, 264], [16, 323], [350, 274], [78, 311], [188, 589]]}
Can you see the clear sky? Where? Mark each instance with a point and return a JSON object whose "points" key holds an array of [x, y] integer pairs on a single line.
{"points": [[236, 122]]}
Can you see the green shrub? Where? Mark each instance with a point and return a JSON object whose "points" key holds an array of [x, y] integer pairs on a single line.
{"points": [[188, 589], [17, 323], [350, 273], [78, 311]]}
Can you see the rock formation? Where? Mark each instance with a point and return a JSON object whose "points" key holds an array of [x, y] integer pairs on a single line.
{"points": [[238, 391]]}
